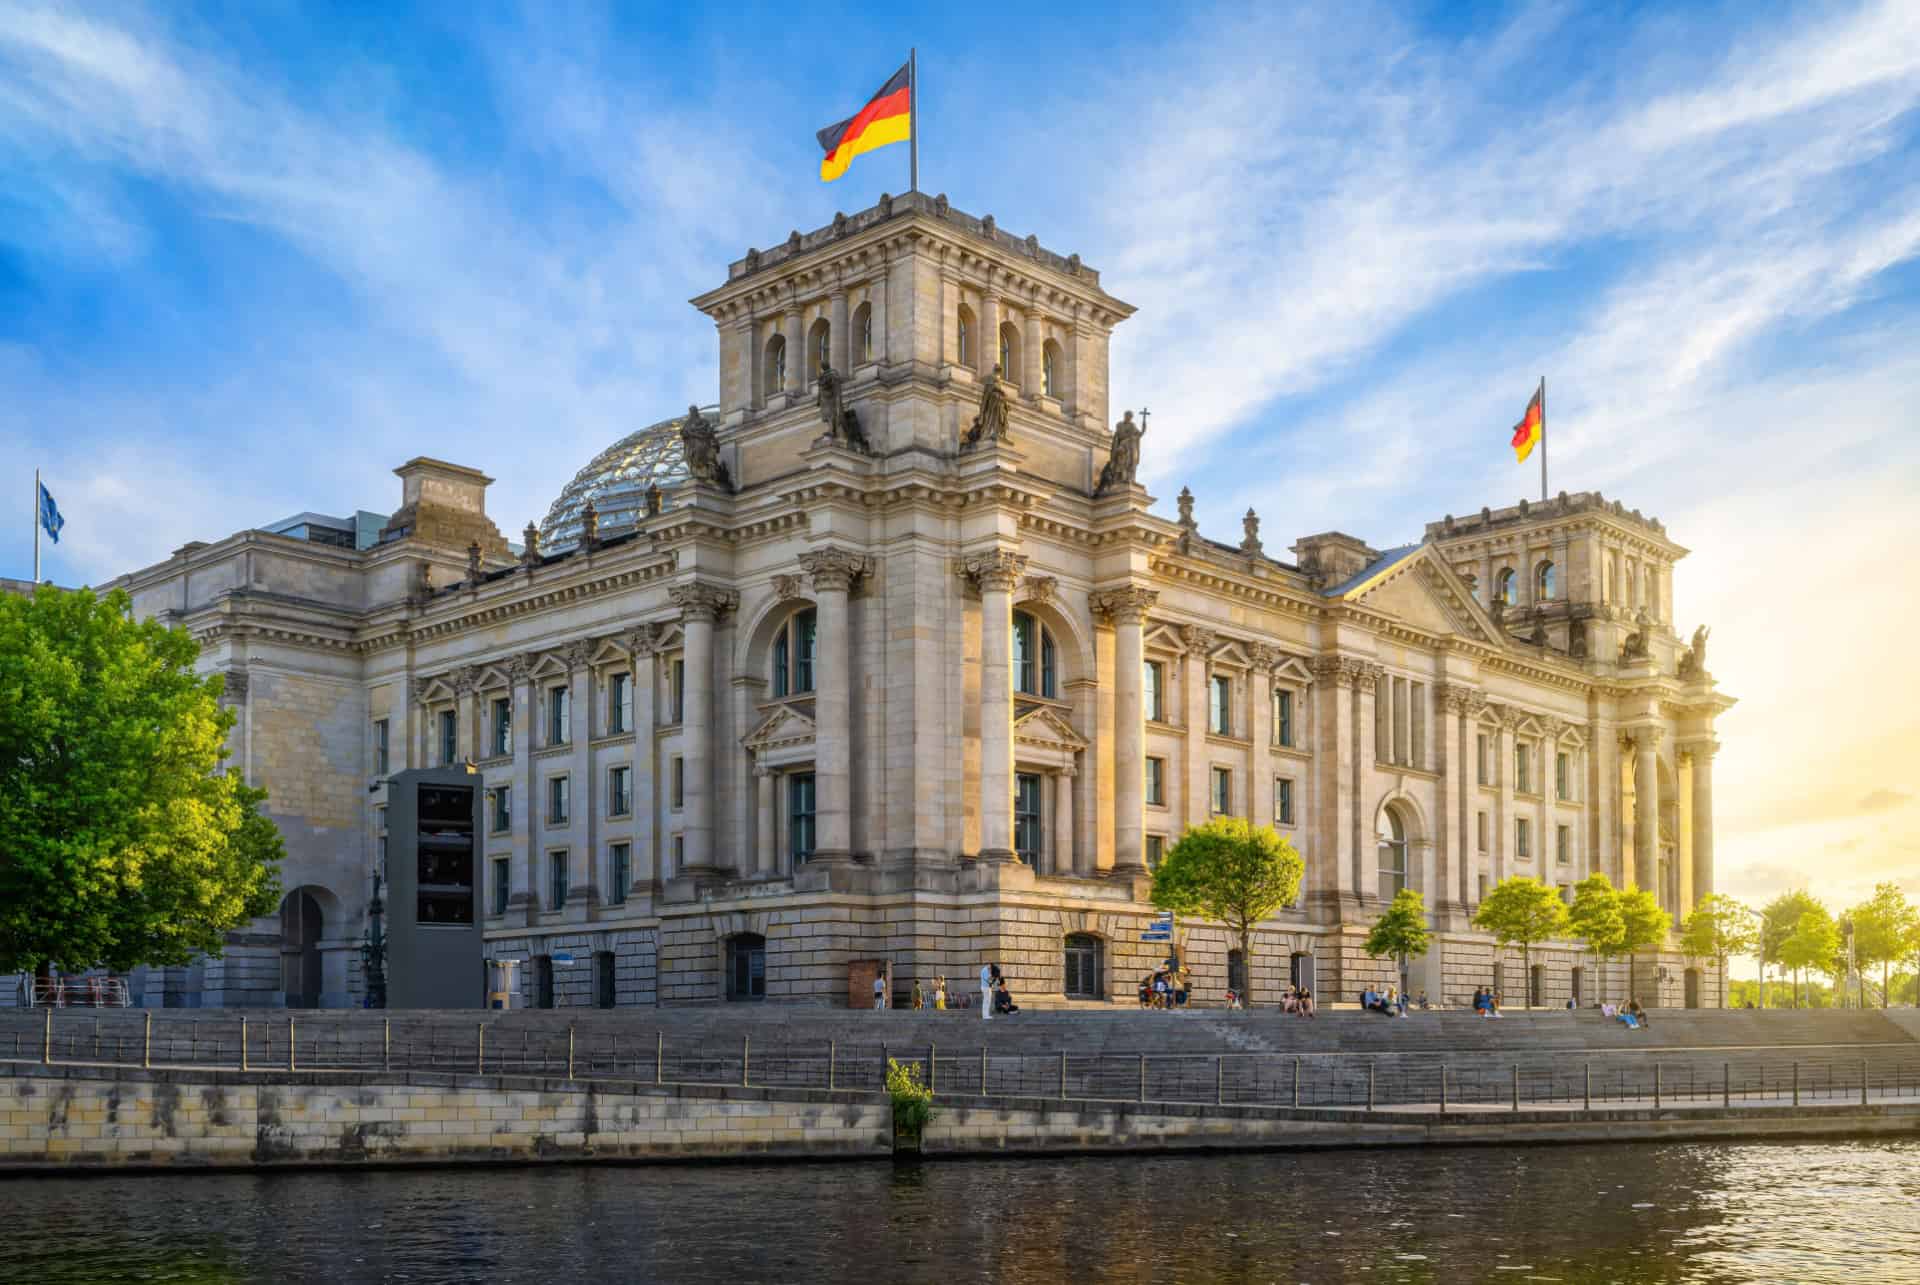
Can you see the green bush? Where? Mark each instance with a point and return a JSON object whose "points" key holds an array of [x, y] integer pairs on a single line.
{"points": [[912, 1099]]}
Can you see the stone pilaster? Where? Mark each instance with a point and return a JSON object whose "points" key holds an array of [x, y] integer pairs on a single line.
{"points": [[796, 379], [1194, 672], [583, 889], [1453, 849], [1333, 872], [641, 645], [1031, 337], [1703, 752], [988, 354], [995, 574], [525, 898], [833, 572], [1063, 821], [1260, 728], [1504, 815], [700, 607], [1127, 608], [1646, 809], [763, 781], [839, 341]]}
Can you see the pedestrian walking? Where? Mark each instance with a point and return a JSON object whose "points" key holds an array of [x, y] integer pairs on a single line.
{"points": [[880, 991], [986, 992]]}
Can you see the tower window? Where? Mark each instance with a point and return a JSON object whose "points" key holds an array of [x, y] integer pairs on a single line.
{"points": [[1546, 582], [793, 653], [1034, 661], [1506, 587]]}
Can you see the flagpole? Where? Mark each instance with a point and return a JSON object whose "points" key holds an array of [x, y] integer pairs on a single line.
{"points": [[36, 526], [913, 119], [1543, 439]]}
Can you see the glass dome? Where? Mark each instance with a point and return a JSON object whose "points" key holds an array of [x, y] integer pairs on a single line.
{"points": [[617, 480]]}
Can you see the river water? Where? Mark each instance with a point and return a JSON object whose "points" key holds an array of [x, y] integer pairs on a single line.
{"points": [[1843, 1211]]}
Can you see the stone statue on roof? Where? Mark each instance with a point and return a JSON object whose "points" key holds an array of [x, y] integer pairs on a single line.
{"points": [[990, 425], [1124, 461], [843, 425], [702, 447]]}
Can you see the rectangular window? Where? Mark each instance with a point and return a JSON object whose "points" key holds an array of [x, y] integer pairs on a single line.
{"points": [[619, 872], [1220, 707], [677, 688], [1155, 682], [620, 703], [679, 853], [1562, 776], [503, 726], [1283, 801], [1563, 845], [556, 880], [679, 782], [1483, 889], [1522, 777], [449, 737], [1485, 759], [800, 816], [1522, 839], [559, 716], [619, 791], [380, 746], [1027, 834], [502, 884], [558, 797], [1223, 791], [1156, 848], [500, 808], [1480, 829], [1157, 782], [1283, 718], [805, 635]]}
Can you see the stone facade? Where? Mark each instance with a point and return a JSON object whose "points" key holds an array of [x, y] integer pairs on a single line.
{"points": [[897, 689]]}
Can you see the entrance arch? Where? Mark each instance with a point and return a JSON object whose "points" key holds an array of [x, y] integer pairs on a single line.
{"points": [[302, 923], [1693, 988], [1300, 971], [1085, 967]]}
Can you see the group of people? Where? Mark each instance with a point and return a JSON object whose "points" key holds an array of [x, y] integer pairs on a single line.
{"points": [[1297, 1000], [1629, 1014], [994, 995], [1388, 1003], [1165, 988], [934, 997], [1485, 1002]]}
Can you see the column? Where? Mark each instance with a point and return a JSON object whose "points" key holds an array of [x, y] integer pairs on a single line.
{"points": [[833, 572], [1646, 807], [582, 823], [796, 369], [1703, 752], [700, 606], [880, 297], [1549, 823], [995, 574], [763, 827], [1603, 784], [1127, 608], [989, 346], [646, 762], [1503, 812], [1447, 847], [1260, 727], [839, 341], [1063, 821], [1031, 340], [1333, 829], [472, 713], [1199, 789], [526, 789]]}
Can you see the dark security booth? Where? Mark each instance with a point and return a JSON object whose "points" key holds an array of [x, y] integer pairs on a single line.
{"points": [[435, 957]]}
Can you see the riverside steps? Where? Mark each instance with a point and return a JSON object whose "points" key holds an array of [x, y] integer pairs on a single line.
{"points": [[173, 1087]]}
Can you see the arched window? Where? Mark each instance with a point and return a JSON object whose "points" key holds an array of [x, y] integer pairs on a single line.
{"points": [[863, 332], [1050, 369], [793, 655], [776, 363], [819, 347], [1607, 594], [1010, 352], [966, 335], [1545, 582], [1506, 587], [1393, 855], [1033, 657]]}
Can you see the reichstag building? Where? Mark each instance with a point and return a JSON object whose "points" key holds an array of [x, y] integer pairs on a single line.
{"points": [[884, 657]]}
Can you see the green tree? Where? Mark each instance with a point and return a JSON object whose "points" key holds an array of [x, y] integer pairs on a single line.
{"points": [[1400, 933], [124, 842], [1521, 911], [1884, 926], [1230, 871], [1594, 918], [1646, 925], [1778, 919], [1718, 929], [1813, 943]]}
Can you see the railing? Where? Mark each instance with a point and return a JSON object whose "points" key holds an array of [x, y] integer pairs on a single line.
{"points": [[288, 1042], [77, 992]]}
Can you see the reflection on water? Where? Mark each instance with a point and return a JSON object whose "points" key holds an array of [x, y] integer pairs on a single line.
{"points": [[1803, 1213]]}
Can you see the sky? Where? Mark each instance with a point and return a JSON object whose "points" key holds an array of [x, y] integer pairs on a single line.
{"points": [[253, 256]]}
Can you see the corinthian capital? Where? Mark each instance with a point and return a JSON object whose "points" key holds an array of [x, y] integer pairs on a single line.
{"points": [[999, 570], [702, 601], [1343, 671], [1647, 739], [1128, 605], [577, 653], [642, 639], [1264, 655], [1199, 640], [835, 568], [1462, 700]]}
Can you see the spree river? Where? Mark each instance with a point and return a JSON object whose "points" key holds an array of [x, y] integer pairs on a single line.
{"points": [[1847, 1211]]}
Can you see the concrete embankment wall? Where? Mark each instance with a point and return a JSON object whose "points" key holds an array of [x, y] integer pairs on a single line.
{"points": [[94, 1118]]}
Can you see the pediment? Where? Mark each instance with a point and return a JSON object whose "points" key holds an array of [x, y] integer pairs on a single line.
{"points": [[1045, 726], [492, 676], [1291, 671], [1231, 654], [1162, 637], [1422, 591], [784, 727], [610, 651]]}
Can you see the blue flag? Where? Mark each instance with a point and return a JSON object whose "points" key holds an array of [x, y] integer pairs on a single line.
{"points": [[50, 519]]}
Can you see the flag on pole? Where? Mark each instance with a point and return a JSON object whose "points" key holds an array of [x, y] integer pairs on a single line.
{"points": [[887, 118], [50, 519], [1532, 428]]}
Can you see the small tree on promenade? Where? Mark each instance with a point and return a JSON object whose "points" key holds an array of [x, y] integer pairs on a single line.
{"points": [[1814, 942], [1521, 911], [121, 841], [1718, 928], [1230, 871], [1646, 926], [1778, 919], [1400, 933], [1594, 918], [1883, 928]]}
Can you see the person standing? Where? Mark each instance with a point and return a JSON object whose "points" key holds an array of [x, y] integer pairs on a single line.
{"points": [[986, 992], [880, 991]]}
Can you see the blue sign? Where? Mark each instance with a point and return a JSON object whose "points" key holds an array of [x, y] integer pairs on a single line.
{"points": [[562, 957], [1157, 934]]}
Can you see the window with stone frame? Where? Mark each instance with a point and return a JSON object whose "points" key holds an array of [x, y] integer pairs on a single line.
{"points": [[1220, 705], [1028, 829], [1282, 801], [1393, 855], [1563, 775], [793, 653], [1223, 791], [679, 853], [1154, 684], [677, 788], [500, 808], [677, 688], [1480, 830], [501, 734], [449, 737], [559, 715], [776, 367], [1523, 767], [1050, 369], [381, 747], [1157, 782], [1563, 845], [559, 800], [863, 333], [964, 335], [619, 790], [1546, 582], [800, 816], [619, 872], [619, 703], [1522, 838], [558, 878], [502, 884], [1507, 587], [1034, 660], [1483, 763], [1156, 849], [1283, 730]]}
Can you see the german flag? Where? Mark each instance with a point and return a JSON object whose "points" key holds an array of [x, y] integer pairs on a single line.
{"points": [[1532, 426], [887, 118]]}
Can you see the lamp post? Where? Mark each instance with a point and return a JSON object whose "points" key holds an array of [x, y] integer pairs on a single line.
{"points": [[373, 951]]}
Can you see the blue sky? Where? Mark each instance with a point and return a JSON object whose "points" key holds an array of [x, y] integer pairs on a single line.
{"points": [[254, 255]]}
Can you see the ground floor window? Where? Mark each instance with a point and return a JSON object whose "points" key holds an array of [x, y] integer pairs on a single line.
{"points": [[603, 978], [543, 981], [746, 966], [1026, 817], [1084, 972]]}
